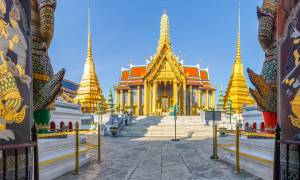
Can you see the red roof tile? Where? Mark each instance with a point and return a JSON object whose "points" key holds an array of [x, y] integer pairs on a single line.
{"points": [[191, 71], [138, 71]]}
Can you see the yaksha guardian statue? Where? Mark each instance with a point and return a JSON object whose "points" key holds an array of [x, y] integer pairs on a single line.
{"points": [[265, 93], [46, 85]]}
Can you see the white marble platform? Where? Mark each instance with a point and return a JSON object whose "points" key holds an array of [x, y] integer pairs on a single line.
{"points": [[55, 148]]}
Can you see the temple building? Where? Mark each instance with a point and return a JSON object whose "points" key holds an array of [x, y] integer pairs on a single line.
{"points": [[164, 81], [237, 89], [89, 93]]}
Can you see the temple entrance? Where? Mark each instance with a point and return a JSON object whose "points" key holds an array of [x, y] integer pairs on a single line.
{"points": [[164, 97], [165, 104]]}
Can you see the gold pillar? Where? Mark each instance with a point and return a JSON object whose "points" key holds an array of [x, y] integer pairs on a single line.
{"points": [[150, 98], [154, 96], [184, 98], [175, 92], [199, 98], [207, 105], [191, 99], [121, 101], [117, 97], [213, 98], [145, 98], [129, 98], [138, 99]]}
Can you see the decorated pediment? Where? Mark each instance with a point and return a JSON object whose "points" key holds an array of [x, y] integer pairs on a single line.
{"points": [[165, 69]]}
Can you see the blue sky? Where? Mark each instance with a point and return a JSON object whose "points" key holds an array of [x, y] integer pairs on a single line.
{"points": [[124, 31]]}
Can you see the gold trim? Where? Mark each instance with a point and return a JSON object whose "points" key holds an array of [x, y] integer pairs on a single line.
{"points": [[41, 77]]}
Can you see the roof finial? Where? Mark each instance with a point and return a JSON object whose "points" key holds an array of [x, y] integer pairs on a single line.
{"points": [[164, 38], [239, 16], [89, 30], [165, 11], [238, 48]]}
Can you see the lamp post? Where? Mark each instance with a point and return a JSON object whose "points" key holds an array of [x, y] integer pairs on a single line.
{"points": [[214, 136], [174, 111], [99, 111]]}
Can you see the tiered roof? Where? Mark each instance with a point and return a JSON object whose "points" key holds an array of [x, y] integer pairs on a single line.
{"points": [[134, 76]]}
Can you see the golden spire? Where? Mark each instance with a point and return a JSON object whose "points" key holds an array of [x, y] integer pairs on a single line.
{"points": [[89, 53], [89, 91], [237, 88], [164, 38]]}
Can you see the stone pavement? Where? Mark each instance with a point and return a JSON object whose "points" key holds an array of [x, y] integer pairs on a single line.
{"points": [[156, 159]]}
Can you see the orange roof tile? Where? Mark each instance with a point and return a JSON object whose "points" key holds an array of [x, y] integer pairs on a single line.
{"points": [[191, 71], [125, 75], [138, 71]]}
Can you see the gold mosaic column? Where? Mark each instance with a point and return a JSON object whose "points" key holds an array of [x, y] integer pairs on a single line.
{"points": [[207, 105], [175, 91], [154, 96], [199, 98], [191, 99], [212, 99], [145, 98], [129, 99], [138, 100], [121, 101], [117, 98], [184, 98]]}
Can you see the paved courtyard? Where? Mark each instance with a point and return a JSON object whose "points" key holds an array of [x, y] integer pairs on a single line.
{"points": [[157, 159]]}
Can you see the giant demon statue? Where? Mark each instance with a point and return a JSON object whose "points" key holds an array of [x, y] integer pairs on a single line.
{"points": [[46, 85], [265, 93]]}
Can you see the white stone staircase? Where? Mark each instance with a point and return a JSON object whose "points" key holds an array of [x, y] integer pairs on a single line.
{"points": [[187, 127]]}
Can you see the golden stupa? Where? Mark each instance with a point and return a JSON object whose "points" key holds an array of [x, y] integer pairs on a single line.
{"points": [[237, 89], [89, 92]]}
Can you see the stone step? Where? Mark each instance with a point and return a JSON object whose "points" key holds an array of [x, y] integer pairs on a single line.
{"points": [[186, 126], [164, 135]]}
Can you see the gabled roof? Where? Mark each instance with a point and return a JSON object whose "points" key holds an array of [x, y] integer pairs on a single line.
{"points": [[204, 75], [125, 75]]}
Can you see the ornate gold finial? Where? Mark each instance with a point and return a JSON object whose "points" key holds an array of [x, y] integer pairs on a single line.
{"points": [[164, 38]]}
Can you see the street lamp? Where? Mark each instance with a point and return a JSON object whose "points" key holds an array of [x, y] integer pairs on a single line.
{"points": [[174, 111], [99, 111], [214, 142]]}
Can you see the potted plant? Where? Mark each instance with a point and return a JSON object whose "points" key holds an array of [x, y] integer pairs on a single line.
{"points": [[222, 133], [113, 130]]}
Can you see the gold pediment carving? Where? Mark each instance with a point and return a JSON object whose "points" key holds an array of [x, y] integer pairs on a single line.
{"points": [[165, 68]]}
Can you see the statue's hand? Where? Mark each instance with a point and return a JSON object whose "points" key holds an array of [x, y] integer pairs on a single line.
{"points": [[47, 23], [26, 80]]}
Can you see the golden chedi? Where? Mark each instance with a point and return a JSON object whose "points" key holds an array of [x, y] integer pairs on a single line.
{"points": [[89, 92], [237, 89]]}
